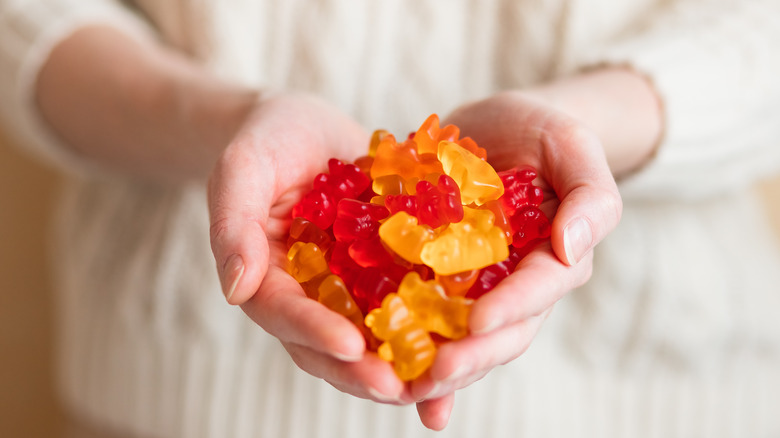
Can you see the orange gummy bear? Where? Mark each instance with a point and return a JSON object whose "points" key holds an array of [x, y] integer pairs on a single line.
{"points": [[402, 159], [334, 295]]}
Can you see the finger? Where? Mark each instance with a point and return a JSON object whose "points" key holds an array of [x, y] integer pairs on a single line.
{"points": [[575, 165], [370, 378], [459, 364], [282, 309], [538, 282], [240, 193], [435, 413]]}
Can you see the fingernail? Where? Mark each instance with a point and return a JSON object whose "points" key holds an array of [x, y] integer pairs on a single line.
{"points": [[346, 357], [577, 240], [231, 275], [433, 391], [491, 325], [459, 372], [382, 397]]}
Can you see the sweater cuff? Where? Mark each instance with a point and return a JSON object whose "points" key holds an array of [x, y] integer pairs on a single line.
{"points": [[29, 31], [715, 69]]}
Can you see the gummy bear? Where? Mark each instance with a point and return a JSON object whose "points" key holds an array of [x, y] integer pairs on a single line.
{"points": [[500, 218], [407, 344], [491, 275], [519, 189], [357, 220], [302, 230], [529, 224], [308, 266], [306, 261], [317, 207], [458, 285], [470, 244], [440, 204], [396, 203], [334, 295], [477, 179], [405, 237], [371, 286], [370, 252], [342, 180], [429, 135], [439, 313], [388, 185], [403, 160]]}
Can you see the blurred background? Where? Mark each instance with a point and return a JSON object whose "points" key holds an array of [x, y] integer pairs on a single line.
{"points": [[28, 407]]}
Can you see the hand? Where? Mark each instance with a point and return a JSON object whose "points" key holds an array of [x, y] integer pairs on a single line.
{"points": [[519, 129], [262, 173]]}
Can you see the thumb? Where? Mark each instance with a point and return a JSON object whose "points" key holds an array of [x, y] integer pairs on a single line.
{"points": [[590, 205], [240, 192]]}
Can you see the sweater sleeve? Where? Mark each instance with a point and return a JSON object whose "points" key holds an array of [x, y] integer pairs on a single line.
{"points": [[29, 30], [716, 67]]}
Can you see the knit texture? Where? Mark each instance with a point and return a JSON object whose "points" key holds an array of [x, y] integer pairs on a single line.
{"points": [[676, 335]]}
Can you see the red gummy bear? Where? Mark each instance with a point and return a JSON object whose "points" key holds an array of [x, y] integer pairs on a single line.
{"points": [[317, 207], [491, 275], [342, 180], [529, 224], [357, 220], [396, 203], [371, 286], [440, 204], [432, 205], [519, 190], [302, 230]]}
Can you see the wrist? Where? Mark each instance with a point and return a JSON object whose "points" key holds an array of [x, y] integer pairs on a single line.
{"points": [[619, 105]]}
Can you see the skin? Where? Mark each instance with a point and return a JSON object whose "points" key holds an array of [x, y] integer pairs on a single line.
{"points": [[137, 108]]}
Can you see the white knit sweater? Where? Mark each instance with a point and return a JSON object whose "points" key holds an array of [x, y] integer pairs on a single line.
{"points": [[676, 335]]}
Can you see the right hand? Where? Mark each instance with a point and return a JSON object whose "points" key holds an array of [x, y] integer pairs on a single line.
{"points": [[262, 173]]}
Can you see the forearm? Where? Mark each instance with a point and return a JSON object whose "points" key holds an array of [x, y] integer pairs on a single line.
{"points": [[137, 107], [619, 105]]}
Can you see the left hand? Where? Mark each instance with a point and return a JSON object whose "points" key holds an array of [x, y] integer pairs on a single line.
{"points": [[581, 198]]}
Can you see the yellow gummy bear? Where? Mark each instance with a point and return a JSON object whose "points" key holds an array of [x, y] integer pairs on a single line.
{"points": [[472, 243], [439, 313], [478, 181], [405, 237], [407, 344]]}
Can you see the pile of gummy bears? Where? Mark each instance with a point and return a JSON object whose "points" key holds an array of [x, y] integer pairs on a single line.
{"points": [[403, 240]]}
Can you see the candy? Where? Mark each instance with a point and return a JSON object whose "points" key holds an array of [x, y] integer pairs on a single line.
{"points": [[407, 343], [410, 235], [478, 181], [405, 236], [470, 244]]}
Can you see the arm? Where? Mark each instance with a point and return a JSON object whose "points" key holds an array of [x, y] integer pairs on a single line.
{"points": [[565, 130], [134, 106], [714, 65], [700, 118]]}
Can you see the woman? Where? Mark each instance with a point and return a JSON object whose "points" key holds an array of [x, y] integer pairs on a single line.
{"points": [[144, 102]]}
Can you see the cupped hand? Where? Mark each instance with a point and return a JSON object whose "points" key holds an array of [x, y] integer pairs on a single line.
{"points": [[261, 174], [581, 197]]}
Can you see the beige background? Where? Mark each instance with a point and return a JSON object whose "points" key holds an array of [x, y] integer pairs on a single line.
{"points": [[27, 401]]}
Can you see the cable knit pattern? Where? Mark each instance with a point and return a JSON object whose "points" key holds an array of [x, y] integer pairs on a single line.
{"points": [[676, 335]]}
